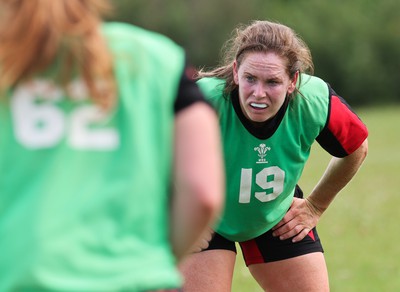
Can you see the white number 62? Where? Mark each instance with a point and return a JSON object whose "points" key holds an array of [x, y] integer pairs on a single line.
{"points": [[43, 124]]}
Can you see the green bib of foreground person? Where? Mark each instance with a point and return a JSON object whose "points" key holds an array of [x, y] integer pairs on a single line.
{"points": [[68, 235]]}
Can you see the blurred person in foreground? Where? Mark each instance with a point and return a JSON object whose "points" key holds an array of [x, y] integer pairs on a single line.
{"points": [[109, 156], [271, 111]]}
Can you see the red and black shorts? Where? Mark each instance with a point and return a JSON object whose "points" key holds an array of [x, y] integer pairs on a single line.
{"points": [[267, 248]]}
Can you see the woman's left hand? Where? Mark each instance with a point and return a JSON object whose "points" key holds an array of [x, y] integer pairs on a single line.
{"points": [[298, 221]]}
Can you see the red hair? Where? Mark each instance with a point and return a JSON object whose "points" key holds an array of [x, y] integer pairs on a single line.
{"points": [[33, 33]]}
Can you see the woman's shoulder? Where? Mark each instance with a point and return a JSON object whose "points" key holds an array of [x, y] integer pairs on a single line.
{"points": [[139, 41], [312, 100], [211, 82], [312, 85], [151, 53], [212, 87]]}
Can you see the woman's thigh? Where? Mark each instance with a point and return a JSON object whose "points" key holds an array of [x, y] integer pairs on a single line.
{"points": [[210, 270], [306, 273]]}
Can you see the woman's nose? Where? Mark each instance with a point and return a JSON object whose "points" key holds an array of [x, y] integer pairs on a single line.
{"points": [[259, 91]]}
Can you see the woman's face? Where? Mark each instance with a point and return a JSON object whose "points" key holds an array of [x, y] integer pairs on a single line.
{"points": [[263, 84]]}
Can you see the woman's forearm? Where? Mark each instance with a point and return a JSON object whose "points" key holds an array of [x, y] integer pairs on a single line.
{"points": [[337, 175]]}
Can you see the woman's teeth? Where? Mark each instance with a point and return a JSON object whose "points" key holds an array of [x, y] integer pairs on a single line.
{"points": [[258, 105]]}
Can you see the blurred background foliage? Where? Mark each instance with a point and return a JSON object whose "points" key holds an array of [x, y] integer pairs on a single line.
{"points": [[355, 44]]}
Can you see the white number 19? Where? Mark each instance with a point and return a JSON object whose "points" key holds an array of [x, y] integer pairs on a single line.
{"points": [[271, 178]]}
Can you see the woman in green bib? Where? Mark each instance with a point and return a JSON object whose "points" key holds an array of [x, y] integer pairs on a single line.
{"points": [[271, 110]]}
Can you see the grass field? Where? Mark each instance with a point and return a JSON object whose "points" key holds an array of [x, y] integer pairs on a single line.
{"points": [[360, 231]]}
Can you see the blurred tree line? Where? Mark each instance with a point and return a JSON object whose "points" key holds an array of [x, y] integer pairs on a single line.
{"points": [[355, 44]]}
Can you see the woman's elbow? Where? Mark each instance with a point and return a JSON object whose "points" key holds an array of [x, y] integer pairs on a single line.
{"points": [[363, 149]]}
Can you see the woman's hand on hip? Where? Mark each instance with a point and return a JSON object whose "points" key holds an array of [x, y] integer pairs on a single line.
{"points": [[298, 221]]}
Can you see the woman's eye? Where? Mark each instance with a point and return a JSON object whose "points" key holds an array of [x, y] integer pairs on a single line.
{"points": [[250, 79]]}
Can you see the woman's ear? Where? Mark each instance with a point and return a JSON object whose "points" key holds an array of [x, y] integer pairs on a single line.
{"points": [[293, 82], [235, 73]]}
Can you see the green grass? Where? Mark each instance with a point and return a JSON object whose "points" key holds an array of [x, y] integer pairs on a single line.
{"points": [[360, 231]]}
